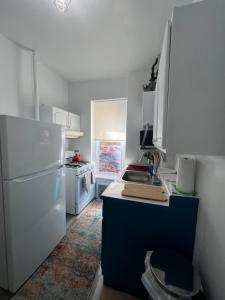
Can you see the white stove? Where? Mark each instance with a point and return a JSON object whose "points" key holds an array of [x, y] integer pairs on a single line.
{"points": [[80, 167], [80, 186]]}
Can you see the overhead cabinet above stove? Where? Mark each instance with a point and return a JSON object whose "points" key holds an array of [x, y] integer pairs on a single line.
{"points": [[70, 121]]}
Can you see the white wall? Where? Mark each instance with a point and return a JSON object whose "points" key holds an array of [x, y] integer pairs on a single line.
{"points": [[210, 236], [52, 88], [134, 114], [16, 82], [81, 94], [16, 85]]}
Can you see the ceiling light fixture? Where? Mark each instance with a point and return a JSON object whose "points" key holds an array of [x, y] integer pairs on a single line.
{"points": [[62, 5]]}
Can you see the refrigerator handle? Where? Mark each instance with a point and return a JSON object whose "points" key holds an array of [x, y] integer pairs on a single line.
{"points": [[34, 176]]}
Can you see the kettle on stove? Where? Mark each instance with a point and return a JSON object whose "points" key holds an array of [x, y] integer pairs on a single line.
{"points": [[76, 156]]}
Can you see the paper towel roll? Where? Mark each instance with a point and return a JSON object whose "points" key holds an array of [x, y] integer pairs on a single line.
{"points": [[186, 174]]}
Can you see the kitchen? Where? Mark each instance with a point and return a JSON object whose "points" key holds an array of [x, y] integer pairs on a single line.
{"points": [[43, 77]]}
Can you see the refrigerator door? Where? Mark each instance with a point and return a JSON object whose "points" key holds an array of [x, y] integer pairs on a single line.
{"points": [[35, 222], [3, 264], [29, 146]]}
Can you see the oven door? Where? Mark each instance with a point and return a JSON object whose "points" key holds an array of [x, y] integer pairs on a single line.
{"points": [[83, 195]]}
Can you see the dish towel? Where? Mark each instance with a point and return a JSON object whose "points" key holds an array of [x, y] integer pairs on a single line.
{"points": [[93, 180], [87, 181]]}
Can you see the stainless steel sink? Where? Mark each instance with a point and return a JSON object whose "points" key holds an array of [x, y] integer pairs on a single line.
{"points": [[140, 177], [137, 176]]}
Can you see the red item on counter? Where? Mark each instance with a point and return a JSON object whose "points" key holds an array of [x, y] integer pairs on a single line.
{"points": [[76, 157], [137, 168]]}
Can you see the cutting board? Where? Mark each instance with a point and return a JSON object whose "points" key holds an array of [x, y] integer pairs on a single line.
{"points": [[143, 191]]}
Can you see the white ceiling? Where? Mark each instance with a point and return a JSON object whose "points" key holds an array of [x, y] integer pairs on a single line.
{"points": [[94, 39]]}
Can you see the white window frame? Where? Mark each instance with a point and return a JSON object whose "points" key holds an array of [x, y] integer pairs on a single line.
{"points": [[94, 143]]}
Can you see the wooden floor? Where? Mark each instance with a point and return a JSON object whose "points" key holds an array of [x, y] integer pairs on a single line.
{"points": [[110, 294], [102, 292]]}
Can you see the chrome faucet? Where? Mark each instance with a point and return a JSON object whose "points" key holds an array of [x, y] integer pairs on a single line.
{"points": [[153, 157]]}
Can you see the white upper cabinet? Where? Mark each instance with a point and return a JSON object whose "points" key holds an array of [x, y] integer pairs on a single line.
{"points": [[161, 94], [59, 116], [74, 121], [189, 97]]}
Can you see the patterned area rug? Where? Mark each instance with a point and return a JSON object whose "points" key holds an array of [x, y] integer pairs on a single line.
{"points": [[69, 271]]}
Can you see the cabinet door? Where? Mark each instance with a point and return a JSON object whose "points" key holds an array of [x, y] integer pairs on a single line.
{"points": [[124, 248], [155, 115], [74, 121], [60, 116], [162, 91]]}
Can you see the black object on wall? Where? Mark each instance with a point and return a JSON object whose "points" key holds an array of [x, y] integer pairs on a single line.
{"points": [[148, 139], [154, 74]]}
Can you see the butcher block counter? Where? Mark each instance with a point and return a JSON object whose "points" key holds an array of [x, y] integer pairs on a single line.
{"points": [[132, 226]]}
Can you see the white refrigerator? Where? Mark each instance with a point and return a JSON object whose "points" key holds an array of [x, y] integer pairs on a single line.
{"points": [[32, 197]]}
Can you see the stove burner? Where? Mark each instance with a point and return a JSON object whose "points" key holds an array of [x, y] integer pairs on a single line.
{"points": [[79, 164], [73, 165]]}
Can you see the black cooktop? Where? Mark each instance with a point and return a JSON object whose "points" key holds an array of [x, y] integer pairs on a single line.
{"points": [[77, 164]]}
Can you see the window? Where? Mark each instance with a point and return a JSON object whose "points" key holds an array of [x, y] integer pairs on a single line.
{"points": [[109, 135]]}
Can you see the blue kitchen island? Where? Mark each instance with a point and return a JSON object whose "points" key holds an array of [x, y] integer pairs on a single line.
{"points": [[132, 226]]}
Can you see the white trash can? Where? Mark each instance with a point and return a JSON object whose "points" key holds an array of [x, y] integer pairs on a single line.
{"points": [[170, 276]]}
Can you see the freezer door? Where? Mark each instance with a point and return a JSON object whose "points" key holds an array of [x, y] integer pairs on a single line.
{"points": [[29, 146], [34, 222]]}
